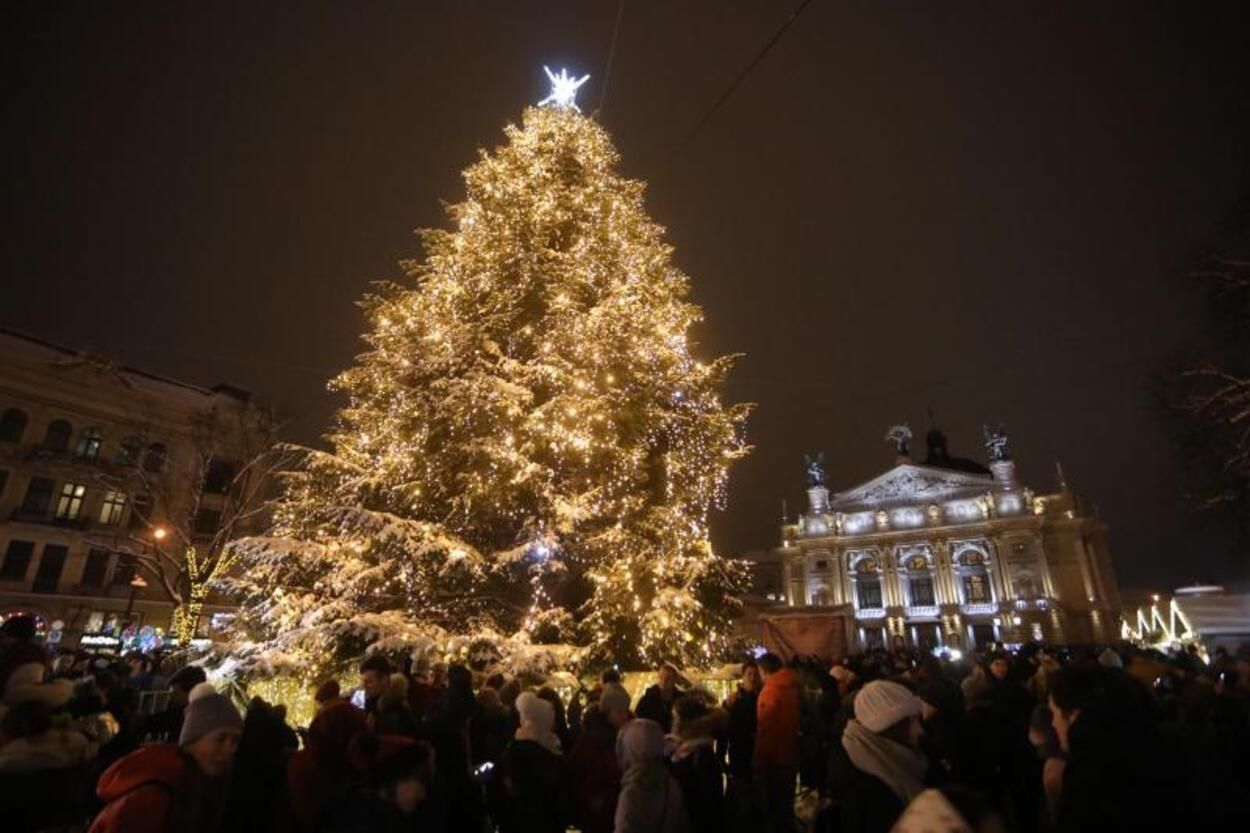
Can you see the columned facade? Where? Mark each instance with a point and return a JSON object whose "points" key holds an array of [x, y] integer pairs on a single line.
{"points": [[952, 553]]}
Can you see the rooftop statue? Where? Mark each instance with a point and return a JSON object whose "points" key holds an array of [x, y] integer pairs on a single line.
{"points": [[900, 437], [996, 443], [815, 470]]}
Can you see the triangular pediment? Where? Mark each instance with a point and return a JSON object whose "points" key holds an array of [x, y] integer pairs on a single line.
{"points": [[909, 484]]}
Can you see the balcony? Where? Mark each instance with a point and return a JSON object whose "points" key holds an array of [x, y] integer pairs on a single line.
{"points": [[870, 613], [922, 612], [979, 609]]}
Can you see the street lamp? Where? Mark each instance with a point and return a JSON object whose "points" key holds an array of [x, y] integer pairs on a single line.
{"points": [[159, 533], [136, 584]]}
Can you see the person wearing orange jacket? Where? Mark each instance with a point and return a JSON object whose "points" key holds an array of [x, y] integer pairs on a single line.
{"points": [[775, 760], [165, 788]]}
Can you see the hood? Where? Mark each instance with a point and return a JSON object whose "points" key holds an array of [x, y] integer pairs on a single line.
{"points": [[161, 763], [639, 741], [535, 711]]}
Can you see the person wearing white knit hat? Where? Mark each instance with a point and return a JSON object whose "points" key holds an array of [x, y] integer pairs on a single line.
{"points": [[879, 768]]}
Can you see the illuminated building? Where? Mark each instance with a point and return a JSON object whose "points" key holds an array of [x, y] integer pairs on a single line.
{"points": [[951, 552], [104, 468]]}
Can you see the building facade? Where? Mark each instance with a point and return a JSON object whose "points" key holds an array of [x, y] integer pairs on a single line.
{"points": [[107, 476], [951, 552]]}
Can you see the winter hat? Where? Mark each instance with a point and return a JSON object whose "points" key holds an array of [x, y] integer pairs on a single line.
{"points": [[1110, 659], [930, 810], [26, 685], [880, 704], [207, 711], [535, 711], [614, 696]]}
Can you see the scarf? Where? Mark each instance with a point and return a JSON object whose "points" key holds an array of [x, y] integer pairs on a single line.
{"points": [[900, 768], [547, 739]]}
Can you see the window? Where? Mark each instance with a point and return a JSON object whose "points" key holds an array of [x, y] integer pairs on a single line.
{"points": [[51, 563], [207, 521], [128, 451], [869, 591], [976, 591], [921, 591], [57, 437], [17, 560], [12, 425], [113, 507], [219, 477], [89, 442], [155, 459], [95, 569], [38, 496], [69, 507], [125, 570], [139, 514]]}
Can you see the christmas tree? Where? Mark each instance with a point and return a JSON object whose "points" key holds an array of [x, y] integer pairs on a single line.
{"points": [[530, 445]]}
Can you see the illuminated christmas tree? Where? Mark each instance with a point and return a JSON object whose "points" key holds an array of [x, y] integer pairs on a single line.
{"points": [[529, 446]]}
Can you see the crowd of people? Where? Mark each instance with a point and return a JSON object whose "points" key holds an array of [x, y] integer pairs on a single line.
{"points": [[1042, 739]]}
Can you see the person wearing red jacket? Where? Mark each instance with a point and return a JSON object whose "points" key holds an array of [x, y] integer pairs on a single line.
{"points": [[165, 788], [775, 760]]}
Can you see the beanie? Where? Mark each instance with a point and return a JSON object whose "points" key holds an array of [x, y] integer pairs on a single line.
{"points": [[207, 711], [880, 704]]}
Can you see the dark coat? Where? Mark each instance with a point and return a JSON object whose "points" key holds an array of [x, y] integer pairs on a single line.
{"points": [[1115, 780], [697, 770], [863, 802], [655, 706], [596, 775], [740, 739], [535, 793]]}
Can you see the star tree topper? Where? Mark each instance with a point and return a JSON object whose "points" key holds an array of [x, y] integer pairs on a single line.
{"points": [[563, 89]]}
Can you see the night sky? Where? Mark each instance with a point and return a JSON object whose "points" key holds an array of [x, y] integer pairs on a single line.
{"points": [[982, 210]]}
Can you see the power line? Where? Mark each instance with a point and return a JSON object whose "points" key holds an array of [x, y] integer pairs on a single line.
{"points": [[607, 70], [737, 81]]}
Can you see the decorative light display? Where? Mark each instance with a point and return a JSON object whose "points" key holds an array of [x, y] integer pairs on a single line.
{"points": [[529, 444], [563, 89]]}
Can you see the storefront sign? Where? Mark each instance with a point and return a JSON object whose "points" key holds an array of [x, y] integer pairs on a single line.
{"points": [[100, 641]]}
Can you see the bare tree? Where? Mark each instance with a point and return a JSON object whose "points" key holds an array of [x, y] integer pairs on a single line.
{"points": [[185, 514], [1214, 394]]}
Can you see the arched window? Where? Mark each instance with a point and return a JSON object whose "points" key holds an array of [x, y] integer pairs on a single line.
{"points": [[919, 582], [129, 450], [156, 457], [976, 580], [89, 441], [868, 583], [59, 433], [12, 425]]}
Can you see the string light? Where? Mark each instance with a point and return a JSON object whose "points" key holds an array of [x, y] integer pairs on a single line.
{"points": [[528, 439]]}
